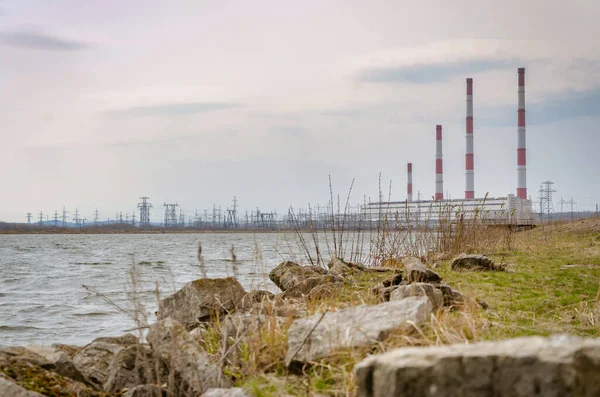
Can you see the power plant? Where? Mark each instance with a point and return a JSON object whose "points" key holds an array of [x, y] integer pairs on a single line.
{"points": [[511, 210], [514, 209]]}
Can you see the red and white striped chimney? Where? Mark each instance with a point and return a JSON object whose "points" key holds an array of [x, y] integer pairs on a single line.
{"points": [[469, 163], [439, 170], [409, 195], [521, 153]]}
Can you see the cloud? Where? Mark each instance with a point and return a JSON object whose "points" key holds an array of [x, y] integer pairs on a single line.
{"points": [[172, 109], [40, 41], [433, 72], [564, 106]]}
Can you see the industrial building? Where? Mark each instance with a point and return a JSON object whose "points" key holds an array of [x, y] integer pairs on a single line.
{"points": [[514, 209]]}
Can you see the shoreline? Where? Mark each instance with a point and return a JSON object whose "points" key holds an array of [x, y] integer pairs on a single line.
{"points": [[275, 344]]}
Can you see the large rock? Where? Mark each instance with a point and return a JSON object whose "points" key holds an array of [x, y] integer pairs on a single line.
{"points": [[319, 336], [71, 350], [187, 362], [477, 263], [132, 366], [305, 286], [395, 279], [323, 291], [419, 289], [531, 366], [339, 267], [232, 392], [383, 292], [63, 365], [199, 299], [289, 274], [453, 299], [417, 272], [21, 368], [9, 388], [318, 269], [94, 359], [384, 289]]}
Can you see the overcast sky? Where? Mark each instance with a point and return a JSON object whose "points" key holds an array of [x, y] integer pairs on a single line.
{"points": [[197, 101]]}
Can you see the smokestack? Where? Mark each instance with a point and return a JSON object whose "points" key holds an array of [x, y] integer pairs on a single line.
{"points": [[409, 195], [521, 154], [439, 170], [469, 163]]}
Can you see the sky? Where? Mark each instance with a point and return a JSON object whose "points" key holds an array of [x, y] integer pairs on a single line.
{"points": [[195, 102]]}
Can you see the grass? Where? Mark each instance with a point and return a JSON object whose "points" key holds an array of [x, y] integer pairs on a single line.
{"points": [[545, 294], [554, 289]]}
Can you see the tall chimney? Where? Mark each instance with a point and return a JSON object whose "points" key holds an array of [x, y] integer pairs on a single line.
{"points": [[409, 195], [521, 153], [469, 163], [439, 170]]}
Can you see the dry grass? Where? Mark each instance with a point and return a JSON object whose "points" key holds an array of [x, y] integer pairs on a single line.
{"points": [[554, 289]]}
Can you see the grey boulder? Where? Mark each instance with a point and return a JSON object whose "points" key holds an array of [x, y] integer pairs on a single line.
{"points": [[476, 263], [132, 366], [305, 286], [185, 358], [559, 366], [453, 299], [417, 272], [419, 289], [94, 359], [288, 274], [339, 267], [9, 388], [63, 364], [320, 335], [199, 299]]}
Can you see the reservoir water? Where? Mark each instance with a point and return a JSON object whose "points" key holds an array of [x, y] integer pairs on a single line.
{"points": [[43, 301]]}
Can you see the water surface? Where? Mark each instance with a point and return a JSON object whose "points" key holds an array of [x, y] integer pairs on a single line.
{"points": [[43, 301]]}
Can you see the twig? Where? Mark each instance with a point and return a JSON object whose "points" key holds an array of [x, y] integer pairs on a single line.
{"points": [[307, 336], [110, 302]]}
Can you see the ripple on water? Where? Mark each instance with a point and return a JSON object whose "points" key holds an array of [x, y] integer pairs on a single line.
{"points": [[43, 300], [18, 328]]}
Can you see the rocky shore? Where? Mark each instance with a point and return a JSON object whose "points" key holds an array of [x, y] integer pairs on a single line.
{"points": [[213, 338]]}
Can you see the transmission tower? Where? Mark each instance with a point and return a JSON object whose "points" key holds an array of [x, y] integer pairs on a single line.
{"points": [[29, 218], [144, 207], [213, 220], [76, 218], [546, 203], [41, 218], [231, 220], [133, 219], [562, 202], [170, 215], [55, 218], [572, 203], [64, 217], [96, 217]]}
